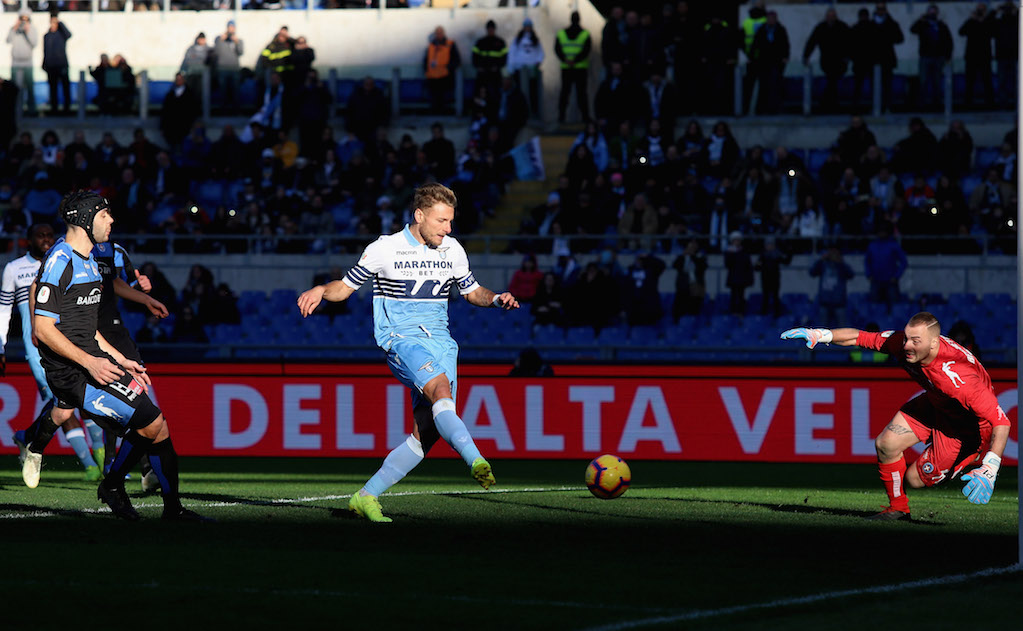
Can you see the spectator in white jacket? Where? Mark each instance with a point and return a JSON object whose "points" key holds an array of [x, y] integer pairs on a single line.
{"points": [[525, 55], [23, 38]]}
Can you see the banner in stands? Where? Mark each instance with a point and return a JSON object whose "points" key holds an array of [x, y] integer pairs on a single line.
{"points": [[770, 414]]}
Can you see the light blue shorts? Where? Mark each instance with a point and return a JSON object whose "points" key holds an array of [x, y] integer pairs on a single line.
{"points": [[416, 361]]}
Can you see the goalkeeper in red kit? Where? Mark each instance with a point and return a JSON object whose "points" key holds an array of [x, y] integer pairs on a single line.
{"points": [[957, 415]]}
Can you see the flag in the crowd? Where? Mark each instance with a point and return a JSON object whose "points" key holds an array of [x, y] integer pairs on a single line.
{"points": [[528, 161]]}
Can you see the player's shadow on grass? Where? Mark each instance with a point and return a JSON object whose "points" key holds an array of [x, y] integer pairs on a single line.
{"points": [[804, 509], [495, 498]]}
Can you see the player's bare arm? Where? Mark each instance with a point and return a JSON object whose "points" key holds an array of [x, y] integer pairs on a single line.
{"points": [[126, 291], [483, 297], [334, 291], [32, 309], [839, 337], [136, 369], [99, 368]]}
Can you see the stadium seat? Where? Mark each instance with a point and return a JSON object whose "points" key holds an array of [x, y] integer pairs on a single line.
{"points": [[580, 336], [644, 336], [984, 157], [548, 335], [613, 335], [816, 160]]}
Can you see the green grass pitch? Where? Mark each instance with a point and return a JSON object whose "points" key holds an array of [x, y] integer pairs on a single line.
{"points": [[691, 545]]}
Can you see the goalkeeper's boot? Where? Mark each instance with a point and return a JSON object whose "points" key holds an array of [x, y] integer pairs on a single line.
{"points": [[93, 473], [19, 440], [117, 499], [30, 468], [368, 507], [890, 514], [482, 473]]}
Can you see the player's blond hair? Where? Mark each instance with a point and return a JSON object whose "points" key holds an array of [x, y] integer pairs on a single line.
{"points": [[433, 193], [926, 318]]}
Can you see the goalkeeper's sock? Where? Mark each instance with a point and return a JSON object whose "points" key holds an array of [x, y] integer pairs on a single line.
{"points": [[164, 461], [133, 446], [893, 475], [402, 459], [41, 431], [95, 434], [76, 437], [453, 430]]}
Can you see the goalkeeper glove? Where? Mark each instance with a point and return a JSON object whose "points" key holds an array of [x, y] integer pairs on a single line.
{"points": [[981, 481], [812, 336]]}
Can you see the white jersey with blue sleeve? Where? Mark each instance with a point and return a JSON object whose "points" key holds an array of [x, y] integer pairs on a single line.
{"points": [[411, 284], [17, 282]]}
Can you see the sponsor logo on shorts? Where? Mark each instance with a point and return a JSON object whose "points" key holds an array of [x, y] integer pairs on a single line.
{"points": [[129, 392], [104, 410]]}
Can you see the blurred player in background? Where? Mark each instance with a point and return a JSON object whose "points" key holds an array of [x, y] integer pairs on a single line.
{"points": [[18, 276], [122, 280], [412, 273], [958, 415], [86, 372]]}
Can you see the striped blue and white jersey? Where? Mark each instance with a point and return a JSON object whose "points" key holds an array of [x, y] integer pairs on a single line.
{"points": [[411, 283], [17, 281]]}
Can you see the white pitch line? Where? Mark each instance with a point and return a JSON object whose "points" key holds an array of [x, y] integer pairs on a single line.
{"points": [[702, 614], [299, 500]]}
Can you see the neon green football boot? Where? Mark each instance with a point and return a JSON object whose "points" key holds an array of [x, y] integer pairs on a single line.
{"points": [[93, 473], [482, 473], [99, 454], [368, 507]]}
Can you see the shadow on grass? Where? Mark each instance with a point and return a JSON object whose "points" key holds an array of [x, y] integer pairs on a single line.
{"points": [[805, 509]]}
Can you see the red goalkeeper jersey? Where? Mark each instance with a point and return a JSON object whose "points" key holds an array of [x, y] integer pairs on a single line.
{"points": [[955, 381]]}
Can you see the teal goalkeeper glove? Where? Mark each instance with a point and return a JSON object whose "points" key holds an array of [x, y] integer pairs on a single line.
{"points": [[812, 336], [981, 481]]}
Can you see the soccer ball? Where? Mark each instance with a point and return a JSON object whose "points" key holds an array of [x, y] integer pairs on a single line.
{"points": [[608, 477]]}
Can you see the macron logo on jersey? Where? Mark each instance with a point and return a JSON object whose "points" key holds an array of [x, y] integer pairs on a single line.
{"points": [[946, 367]]}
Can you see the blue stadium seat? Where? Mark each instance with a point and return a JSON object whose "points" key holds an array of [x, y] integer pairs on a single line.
{"points": [[158, 91], [644, 335], [816, 160], [548, 335], [580, 336], [984, 157], [613, 334]]}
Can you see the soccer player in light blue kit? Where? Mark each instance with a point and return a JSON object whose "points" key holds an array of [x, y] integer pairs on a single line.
{"points": [[412, 273], [17, 280]]}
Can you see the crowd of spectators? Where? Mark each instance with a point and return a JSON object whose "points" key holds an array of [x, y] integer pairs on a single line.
{"points": [[699, 49], [647, 190]]}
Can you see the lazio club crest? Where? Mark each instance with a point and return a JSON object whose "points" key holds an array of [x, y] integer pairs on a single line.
{"points": [[443, 252]]}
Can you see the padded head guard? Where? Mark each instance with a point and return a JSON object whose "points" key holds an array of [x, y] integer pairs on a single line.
{"points": [[80, 209]]}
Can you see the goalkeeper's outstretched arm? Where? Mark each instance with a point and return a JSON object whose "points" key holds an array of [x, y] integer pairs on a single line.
{"points": [[840, 337]]}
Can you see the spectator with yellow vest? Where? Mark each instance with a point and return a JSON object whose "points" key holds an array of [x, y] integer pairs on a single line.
{"points": [[750, 26], [276, 57], [572, 47], [489, 56], [439, 65]]}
